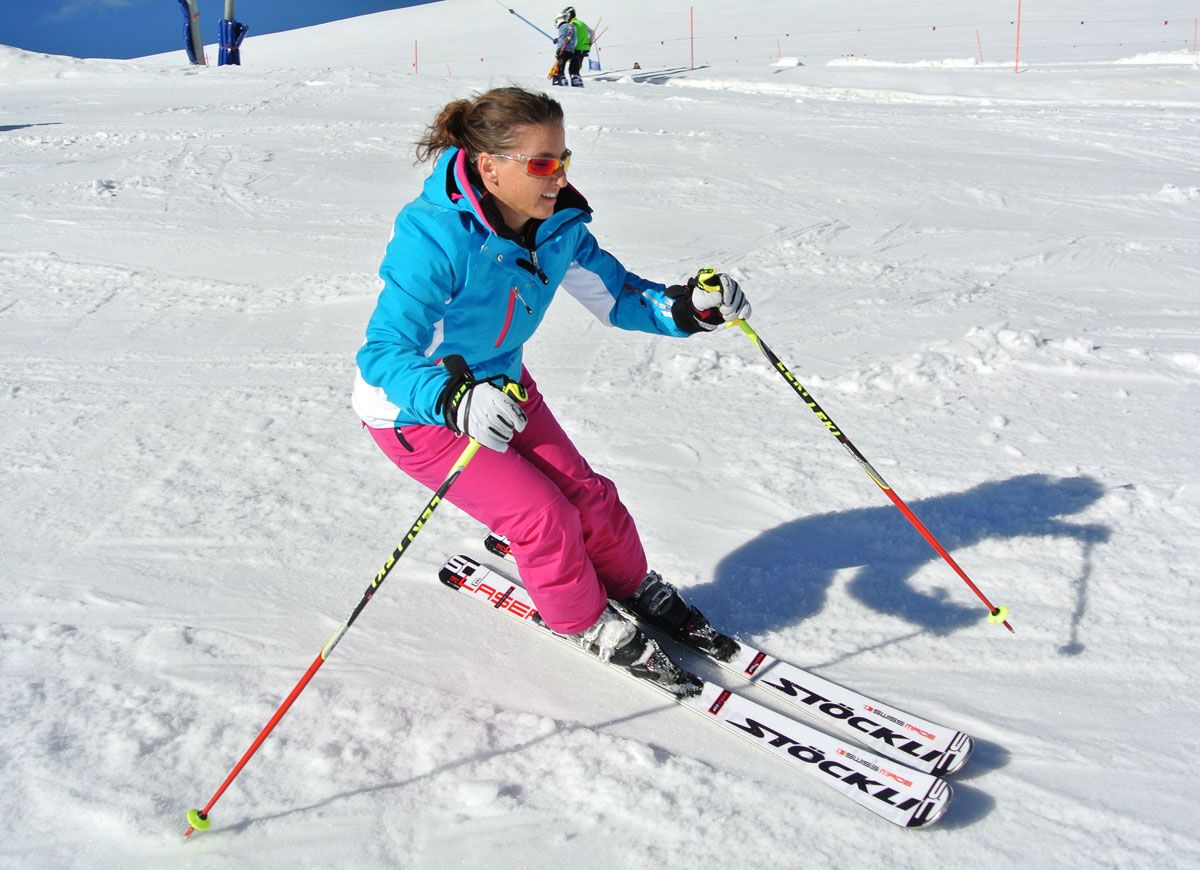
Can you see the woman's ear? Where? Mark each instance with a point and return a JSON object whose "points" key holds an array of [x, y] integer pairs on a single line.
{"points": [[486, 164]]}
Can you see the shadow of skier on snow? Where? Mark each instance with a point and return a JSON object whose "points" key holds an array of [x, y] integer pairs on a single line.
{"points": [[783, 576], [648, 76], [8, 128]]}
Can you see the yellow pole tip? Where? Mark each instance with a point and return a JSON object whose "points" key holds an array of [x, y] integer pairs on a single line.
{"points": [[999, 616], [198, 820]]}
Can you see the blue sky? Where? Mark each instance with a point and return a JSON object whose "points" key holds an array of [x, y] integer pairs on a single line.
{"points": [[132, 28]]}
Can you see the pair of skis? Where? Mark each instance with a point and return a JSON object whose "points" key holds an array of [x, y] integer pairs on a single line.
{"points": [[897, 777]]}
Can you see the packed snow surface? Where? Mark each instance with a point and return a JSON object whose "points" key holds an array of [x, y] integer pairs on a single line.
{"points": [[987, 278]]}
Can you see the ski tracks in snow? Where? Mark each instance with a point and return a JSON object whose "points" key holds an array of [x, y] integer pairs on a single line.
{"points": [[994, 298]]}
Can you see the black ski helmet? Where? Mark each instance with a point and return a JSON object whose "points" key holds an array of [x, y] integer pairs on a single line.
{"points": [[568, 13]]}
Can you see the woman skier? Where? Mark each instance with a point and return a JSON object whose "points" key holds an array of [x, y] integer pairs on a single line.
{"points": [[471, 268]]}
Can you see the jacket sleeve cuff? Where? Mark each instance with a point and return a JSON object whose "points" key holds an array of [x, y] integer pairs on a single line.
{"points": [[684, 316]]}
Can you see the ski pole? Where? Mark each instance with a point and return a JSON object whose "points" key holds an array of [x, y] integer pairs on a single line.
{"points": [[527, 21], [198, 818], [997, 615]]}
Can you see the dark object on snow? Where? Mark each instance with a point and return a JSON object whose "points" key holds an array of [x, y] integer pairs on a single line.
{"points": [[232, 34]]}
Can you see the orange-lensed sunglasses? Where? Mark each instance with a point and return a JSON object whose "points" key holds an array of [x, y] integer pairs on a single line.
{"points": [[542, 167]]}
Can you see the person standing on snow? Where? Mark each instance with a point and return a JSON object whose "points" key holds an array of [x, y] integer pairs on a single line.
{"points": [[564, 48], [583, 45], [571, 46], [471, 268]]}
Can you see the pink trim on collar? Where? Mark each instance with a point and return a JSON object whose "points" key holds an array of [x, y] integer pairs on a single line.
{"points": [[464, 184]]}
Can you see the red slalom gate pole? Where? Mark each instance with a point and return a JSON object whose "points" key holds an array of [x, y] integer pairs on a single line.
{"points": [[198, 818], [996, 614], [692, 34], [1017, 62]]}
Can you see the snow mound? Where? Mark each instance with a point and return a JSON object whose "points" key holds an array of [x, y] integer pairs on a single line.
{"points": [[1183, 56], [1171, 193], [948, 63], [981, 351], [18, 66]]}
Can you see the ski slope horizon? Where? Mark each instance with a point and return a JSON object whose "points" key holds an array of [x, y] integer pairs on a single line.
{"points": [[987, 279]]}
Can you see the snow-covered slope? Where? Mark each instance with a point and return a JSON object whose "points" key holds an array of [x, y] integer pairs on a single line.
{"points": [[988, 280]]}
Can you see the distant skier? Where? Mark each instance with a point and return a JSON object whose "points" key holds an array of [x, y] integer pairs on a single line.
{"points": [[472, 266], [564, 49], [573, 44], [583, 46]]}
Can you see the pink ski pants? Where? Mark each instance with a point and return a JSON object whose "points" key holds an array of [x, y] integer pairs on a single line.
{"points": [[574, 540]]}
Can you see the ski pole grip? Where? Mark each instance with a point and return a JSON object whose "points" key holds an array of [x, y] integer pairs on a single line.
{"points": [[517, 391], [708, 281], [458, 368]]}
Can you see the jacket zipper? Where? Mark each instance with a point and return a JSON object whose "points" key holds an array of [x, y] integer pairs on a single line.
{"points": [[533, 268], [514, 294], [528, 310], [508, 315], [540, 273]]}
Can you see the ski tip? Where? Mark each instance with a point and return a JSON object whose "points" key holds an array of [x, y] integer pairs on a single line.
{"points": [[936, 802], [955, 757]]}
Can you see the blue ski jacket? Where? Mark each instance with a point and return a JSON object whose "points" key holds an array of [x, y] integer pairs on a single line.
{"points": [[453, 285], [567, 37]]}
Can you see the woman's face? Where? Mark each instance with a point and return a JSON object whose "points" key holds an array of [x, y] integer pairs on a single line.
{"points": [[522, 196]]}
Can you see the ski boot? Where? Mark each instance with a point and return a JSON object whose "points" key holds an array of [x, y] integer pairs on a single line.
{"points": [[615, 640], [659, 604], [577, 81]]}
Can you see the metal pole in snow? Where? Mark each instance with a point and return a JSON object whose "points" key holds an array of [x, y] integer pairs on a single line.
{"points": [[979, 42], [197, 39]]}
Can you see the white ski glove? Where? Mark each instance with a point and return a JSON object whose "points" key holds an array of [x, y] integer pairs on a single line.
{"points": [[707, 301], [480, 409], [489, 415]]}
